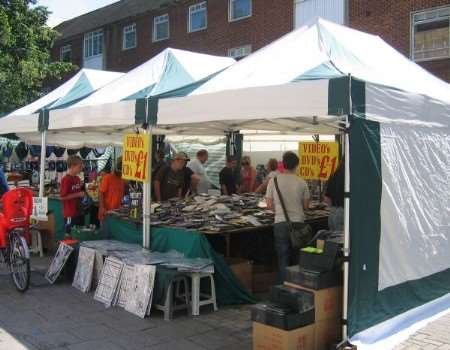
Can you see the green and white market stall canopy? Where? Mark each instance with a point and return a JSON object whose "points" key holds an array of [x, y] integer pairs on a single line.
{"points": [[399, 147], [102, 117], [81, 85], [310, 81]]}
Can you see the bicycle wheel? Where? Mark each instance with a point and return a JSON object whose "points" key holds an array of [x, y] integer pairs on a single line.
{"points": [[19, 263]]}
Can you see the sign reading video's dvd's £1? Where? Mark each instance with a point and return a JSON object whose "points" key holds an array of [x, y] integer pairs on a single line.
{"points": [[318, 160], [135, 158]]}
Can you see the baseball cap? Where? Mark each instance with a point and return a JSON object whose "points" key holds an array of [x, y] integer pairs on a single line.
{"points": [[181, 156]]}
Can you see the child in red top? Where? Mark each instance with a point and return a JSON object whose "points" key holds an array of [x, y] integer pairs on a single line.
{"points": [[71, 194]]}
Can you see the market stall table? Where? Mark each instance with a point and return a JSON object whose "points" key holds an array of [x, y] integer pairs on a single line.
{"points": [[193, 244]]}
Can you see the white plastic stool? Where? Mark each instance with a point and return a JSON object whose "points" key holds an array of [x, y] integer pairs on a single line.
{"points": [[36, 243], [197, 295], [171, 302]]}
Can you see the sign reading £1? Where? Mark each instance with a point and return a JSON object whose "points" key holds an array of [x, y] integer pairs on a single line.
{"points": [[135, 157], [318, 160]]}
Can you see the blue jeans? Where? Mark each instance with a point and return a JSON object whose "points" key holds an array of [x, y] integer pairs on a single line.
{"points": [[283, 248]]}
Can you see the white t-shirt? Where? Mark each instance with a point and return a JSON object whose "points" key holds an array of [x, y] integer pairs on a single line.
{"points": [[294, 191], [197, 167]]}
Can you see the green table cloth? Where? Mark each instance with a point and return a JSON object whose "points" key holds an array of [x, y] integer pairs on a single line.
{"points": [[193, 244]]}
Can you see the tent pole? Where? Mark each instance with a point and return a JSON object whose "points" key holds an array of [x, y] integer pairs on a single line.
{"points": [[42, 166], [147, 195], [347, 217]]}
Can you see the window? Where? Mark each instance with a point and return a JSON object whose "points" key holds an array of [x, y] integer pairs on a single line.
{"points": [[161, 27], [129, 37], [239, 52], [431, 34], [93, 43], [65, 53], [238, 9], [197, 17]]}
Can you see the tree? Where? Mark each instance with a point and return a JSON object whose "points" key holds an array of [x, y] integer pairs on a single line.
{"points": [[25, 43]]}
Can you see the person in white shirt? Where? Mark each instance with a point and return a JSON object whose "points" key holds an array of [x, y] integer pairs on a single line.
{"points": [[198, 167], [295, 193]]}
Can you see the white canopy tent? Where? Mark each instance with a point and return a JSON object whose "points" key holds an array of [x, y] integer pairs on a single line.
{"points": [[81, 85], [325, 78], [397, 122], [102, 118]]}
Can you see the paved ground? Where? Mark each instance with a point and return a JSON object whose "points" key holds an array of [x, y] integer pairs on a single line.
{"points": [[436, 336], [60, 317]]}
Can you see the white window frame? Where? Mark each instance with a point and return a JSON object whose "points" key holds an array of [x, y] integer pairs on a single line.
{"points": [[127, 30], [244, 48], [413, 24], [158, 20], [92, 36], [201, 6], [63, 50], [230, 7]]}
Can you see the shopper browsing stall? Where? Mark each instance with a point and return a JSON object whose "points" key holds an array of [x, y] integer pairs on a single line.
{"points": [[198, 167], [169, 181], [190, 179], [71, 193], [248, 176], [226, 177], [112, 190], [272, 168], [295, 196]]}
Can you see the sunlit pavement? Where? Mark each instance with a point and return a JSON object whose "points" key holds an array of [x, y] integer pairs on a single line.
{"points": [[60, 317]]}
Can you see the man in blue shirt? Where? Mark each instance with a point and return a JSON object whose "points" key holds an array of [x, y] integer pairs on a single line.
{"points": [[3, 183]]}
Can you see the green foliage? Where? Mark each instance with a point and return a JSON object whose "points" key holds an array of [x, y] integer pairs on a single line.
{"points": [[25, 43]]}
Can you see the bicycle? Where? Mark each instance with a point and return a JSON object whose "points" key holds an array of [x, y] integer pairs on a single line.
{"points": [[15, 234], [17, 257]]}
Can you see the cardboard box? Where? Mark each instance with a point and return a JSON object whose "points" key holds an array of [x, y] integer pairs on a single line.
{"points": [[327, 302], [271, 338], [327, 332], [48, 231], [243, 270], [263, 278]]}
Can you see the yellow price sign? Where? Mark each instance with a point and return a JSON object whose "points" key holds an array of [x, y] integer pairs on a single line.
{"points": [[318, 160], [136, 148]]}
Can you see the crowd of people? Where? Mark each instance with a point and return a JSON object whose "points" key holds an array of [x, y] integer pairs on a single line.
{"points": [[181, 176], [286, 193]]}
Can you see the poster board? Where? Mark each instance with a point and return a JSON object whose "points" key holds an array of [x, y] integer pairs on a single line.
{"points": [[58, 262], [141, 290], [109, 280], [136, 157], [84, 271], [318, 160]]}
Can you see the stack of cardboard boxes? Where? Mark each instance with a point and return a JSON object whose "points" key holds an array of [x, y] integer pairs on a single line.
{"points": [[315, 288]]}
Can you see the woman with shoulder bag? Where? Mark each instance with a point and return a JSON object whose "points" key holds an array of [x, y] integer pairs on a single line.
{"points": [[288, 195]]}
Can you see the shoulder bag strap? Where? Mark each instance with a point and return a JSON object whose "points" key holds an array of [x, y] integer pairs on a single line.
{"points": [[275, 180]]}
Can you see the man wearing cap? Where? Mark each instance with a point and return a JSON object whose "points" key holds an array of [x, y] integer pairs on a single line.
{"points": [[169, 180], [111, 191]]}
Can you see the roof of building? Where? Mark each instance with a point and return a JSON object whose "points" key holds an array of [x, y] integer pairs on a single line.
{"points": [[108, 14]]}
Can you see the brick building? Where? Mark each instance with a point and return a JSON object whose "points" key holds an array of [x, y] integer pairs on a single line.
{"points": [[417, 28], [121, 36]]}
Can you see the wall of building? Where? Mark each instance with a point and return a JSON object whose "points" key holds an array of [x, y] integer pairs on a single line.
{"points": [[391, 19], [270, 20]]}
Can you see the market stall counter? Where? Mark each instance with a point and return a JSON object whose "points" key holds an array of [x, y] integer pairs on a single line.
{"points": [[193, 244]]}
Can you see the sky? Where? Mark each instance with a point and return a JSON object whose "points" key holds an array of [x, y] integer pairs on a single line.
{"points": [[63, 10]]}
